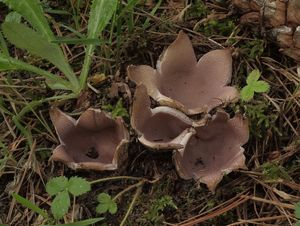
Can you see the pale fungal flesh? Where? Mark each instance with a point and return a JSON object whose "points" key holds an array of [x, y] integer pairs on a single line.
{"points": [[214, 150], [185, 84], [161, 127], [95, 141]]}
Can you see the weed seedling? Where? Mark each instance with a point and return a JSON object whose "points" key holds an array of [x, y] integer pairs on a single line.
{"points": [[106, 204], [61, 188], [273, 171], [253, 86], [39, 40], [116, 111], [155, 212]]}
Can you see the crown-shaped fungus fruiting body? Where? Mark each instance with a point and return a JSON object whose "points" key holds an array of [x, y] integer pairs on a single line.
{"points": [[95, 141], [179, 81], [214, 150]]}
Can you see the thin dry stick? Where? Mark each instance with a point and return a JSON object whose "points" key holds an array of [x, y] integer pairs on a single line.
{"points": [[115, 178], [138, 191], [128, 189], [227, 202], [216, 213], [283, 205], [258, 220]]}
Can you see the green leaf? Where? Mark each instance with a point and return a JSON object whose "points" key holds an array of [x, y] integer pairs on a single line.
{"points": [[25, 38], [81, 223], [30, 205], [33, 13], [100, 14], [78, 186], [3, 46], [253, 77], [297, 210], [247, 93], [261, 87], [56, 185], [13, 17], [116, 111], [8, 63], [60, 205], [85, 41], [106, 204]]}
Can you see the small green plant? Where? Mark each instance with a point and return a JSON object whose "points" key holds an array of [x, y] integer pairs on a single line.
{"points": [[253, 49], [297, 213], [61, 188], [39, 40], [155, 212], [273, 171], [106, 204], [217, 27], [30, 205], [261, 118], [117, 110], [253, 86], [198, 9]]}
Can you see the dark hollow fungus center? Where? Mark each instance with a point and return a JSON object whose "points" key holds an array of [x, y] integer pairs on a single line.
{"points": [[92, 153]]}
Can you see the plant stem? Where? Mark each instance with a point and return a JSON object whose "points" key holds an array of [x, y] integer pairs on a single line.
{"points": [[138, 191], [73, 209], [86, 66], [115, 178], [128, 189]]}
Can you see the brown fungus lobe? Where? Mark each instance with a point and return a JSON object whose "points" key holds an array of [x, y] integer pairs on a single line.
{"points": [[214, 150], [95, 141], [161, 127], [185, 84]]}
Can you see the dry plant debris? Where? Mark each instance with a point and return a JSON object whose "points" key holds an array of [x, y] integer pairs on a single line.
{"points": [[95, 141], [182, 83]]}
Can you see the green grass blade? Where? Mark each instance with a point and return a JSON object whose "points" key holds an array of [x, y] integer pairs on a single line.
{"points": [[32, 11], [3, 46], [11, 64], [77, 33], [25, 38], [153, 11], [100, 14], [86, 41], [81, 223], [30, 205]]}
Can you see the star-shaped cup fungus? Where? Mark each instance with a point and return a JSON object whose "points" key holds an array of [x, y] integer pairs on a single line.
{"points": [[159, 128], [214, 150], [95, 141], [185, 84]]}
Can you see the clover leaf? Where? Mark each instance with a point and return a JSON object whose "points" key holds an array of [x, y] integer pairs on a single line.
{"points": [[60, 205], [78, 186], [106, 204], [56, 185], [61, 188], [254, 86]]}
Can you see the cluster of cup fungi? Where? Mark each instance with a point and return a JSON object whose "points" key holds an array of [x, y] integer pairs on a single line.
{"points": [[204, 149]]}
